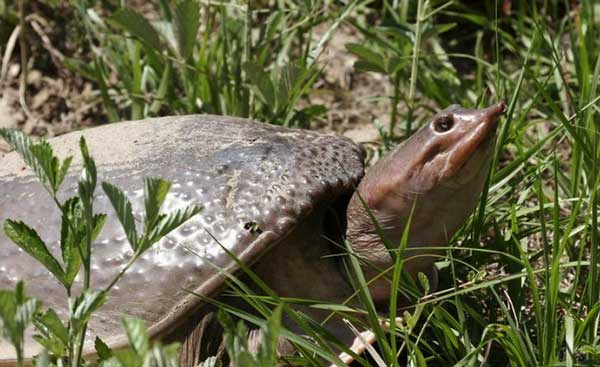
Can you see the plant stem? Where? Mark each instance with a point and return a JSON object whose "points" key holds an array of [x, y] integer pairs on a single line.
{"points": [[121, 273], [23, 55], [20, 354], [395, 102], [247, 97], [404, 10], [415, 63], [416, 51], [87, 272]]}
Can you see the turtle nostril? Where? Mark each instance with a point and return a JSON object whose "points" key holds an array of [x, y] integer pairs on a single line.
{"points": [[495, 110], [503, 107], [500, 107]]}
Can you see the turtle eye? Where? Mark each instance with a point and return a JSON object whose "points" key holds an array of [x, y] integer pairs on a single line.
{"points": [[443, 124]]}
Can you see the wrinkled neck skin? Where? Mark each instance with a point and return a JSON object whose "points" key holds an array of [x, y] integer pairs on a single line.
{"points": [[441, 175]]}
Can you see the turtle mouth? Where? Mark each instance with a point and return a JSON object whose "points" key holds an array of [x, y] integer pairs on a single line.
{"points": [[490, 117], [488, 139]]}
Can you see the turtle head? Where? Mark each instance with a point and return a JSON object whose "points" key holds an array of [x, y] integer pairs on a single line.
{"points": [[440, 172], [453, 149]]}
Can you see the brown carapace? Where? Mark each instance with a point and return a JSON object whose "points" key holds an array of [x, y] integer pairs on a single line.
{"points": [[267, 192]]}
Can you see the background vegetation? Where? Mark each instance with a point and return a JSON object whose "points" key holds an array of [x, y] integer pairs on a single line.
{"points": [[519, 281]]}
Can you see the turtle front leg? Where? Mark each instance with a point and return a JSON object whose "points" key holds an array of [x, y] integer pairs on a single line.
{"points": [[201, 337]]}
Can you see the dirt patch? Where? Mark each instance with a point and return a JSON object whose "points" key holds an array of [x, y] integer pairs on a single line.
{"points": [[55, 100], [354, 100], [53, 105], [58, 101]]}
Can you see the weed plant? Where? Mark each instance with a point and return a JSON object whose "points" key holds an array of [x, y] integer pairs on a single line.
{"points": [[80, 227], [519, 281]]}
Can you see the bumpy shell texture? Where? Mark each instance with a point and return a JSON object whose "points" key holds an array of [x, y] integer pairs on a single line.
{"points": [[238, 170]]}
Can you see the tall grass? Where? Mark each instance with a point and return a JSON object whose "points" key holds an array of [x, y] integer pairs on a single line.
{"points": [[249, 59], [519, 281]]}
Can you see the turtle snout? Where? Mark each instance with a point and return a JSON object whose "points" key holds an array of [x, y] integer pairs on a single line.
{"points": [[493, 112]]}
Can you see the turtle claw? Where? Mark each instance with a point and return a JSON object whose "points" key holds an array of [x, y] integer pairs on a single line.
{"points": [[364, 341], [359, 345]]}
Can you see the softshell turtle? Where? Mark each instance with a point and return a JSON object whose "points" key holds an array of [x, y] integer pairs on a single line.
{"points": [[265, 191]]}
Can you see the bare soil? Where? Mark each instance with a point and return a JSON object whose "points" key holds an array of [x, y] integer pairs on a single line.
{"points": [[52, 100], [57, 101]]}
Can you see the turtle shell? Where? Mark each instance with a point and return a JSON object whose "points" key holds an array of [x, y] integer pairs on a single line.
{"points": [[246, 175]]}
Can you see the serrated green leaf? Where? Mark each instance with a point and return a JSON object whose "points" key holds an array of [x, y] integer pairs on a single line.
{"points": [[28, 240], [103, 350], [98, 223], [62, 172], [367, 56], [85, 305], [124, 212], [72, 219], [169, 222], [137, 26], [137, 335], [19, 142], [53, 323], [69, 242], [155, 193], [52, 344], [47, 165], [88, 180], [186, 23], [39, 157]]}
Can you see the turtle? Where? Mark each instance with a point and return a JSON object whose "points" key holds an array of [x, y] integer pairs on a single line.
{"points": [[270, 195]]}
